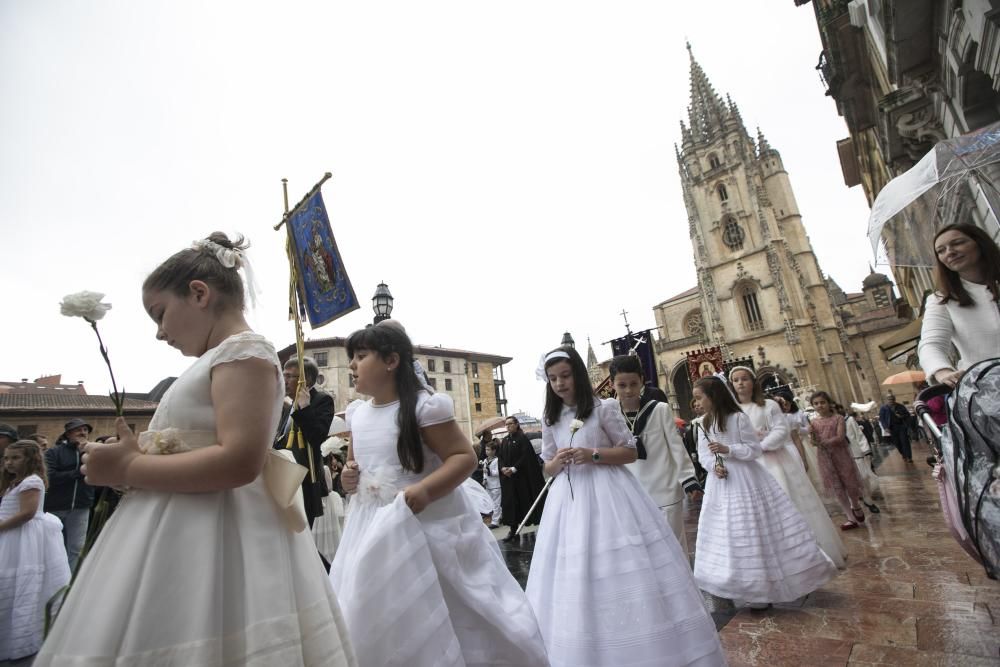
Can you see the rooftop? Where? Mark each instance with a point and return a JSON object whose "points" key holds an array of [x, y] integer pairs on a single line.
{"points": [[426, 350]]}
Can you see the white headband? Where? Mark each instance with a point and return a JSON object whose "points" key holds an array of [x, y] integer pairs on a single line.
{"points": [[741, 368], [232, 258], [546, 358]]}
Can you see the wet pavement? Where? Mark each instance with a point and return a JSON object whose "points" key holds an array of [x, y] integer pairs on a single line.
{"points": [[909, 595]]}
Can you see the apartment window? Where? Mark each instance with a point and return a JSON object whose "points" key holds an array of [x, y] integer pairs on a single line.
{"points": [[479, 407], [475, 389], [433, 382], [723, 193], [475, 369], [320, 358], [447, 384], [447, 366], [431, 365]]}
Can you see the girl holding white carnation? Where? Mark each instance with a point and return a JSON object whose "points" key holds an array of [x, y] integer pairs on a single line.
{"points": [[753, 544], [204, 562], [609, 582], [780, 458], [419, 575]]}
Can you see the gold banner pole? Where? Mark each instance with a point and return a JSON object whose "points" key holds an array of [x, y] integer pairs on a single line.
{"points": [[295, 436]]}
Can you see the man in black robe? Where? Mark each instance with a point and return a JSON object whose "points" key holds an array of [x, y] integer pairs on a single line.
{"points": [[304, 426], [520, 478]]}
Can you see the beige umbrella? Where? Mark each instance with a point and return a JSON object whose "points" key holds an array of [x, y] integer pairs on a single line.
{"points": [[906, 377], [490, 424]]}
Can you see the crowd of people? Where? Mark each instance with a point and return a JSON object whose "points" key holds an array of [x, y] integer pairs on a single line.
{"points": [[233, 528]]}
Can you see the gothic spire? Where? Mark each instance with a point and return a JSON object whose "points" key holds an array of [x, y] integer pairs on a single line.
{"points": [[707, 110], [762, 146], [591, 357]]}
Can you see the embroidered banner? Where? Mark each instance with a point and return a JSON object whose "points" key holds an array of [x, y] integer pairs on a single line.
{"points": [[639, 343], [324, 286], [704, 363]]}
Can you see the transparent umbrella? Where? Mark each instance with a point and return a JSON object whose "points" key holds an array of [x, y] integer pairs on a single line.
{"points": [[955, 182]]}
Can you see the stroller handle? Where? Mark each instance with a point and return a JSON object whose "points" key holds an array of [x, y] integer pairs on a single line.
{"points": [[920, 404], [923, 412]]}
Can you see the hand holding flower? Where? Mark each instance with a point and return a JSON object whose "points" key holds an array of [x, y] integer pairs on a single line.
{"points": [[718, 448], [107, 465]]}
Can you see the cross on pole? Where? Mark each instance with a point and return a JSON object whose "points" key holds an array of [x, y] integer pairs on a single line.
{"points": [[624, 315]]}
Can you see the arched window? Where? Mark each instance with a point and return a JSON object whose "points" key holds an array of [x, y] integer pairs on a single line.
{"points": [[753, 318], [713, 161], [723, 194]]}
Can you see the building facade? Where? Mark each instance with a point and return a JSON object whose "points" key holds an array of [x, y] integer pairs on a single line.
{"points": [[760, 292], [906, 74], [474, 380], [45, 405]]}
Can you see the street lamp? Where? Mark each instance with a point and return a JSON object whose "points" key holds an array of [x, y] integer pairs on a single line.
{"points": [[382, 303], [567, 339]]}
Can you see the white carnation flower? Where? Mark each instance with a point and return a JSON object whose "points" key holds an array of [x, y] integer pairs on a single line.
{"points": [[575, 425], [84, 304]]}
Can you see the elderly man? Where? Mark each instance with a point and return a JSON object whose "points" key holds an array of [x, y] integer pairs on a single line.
{"points": [[69, 497], [305, 424]]}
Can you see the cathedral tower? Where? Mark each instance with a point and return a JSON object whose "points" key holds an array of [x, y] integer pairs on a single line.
{"points": [[760, 289]]}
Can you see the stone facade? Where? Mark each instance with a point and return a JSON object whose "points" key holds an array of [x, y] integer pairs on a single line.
{"points": [[474, 380], [906, 74], [760, 292]]}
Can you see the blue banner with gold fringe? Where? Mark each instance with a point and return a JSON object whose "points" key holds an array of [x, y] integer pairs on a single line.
{"points": [[324, 287]]}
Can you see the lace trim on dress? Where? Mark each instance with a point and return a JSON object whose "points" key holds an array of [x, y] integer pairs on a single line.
{"points": [[244, 345]]}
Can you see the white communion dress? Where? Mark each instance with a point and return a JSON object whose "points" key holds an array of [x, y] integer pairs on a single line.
{"points": [[424, 590], [198, 579], [609, 582], [782, 461], [33, 567], [753, 544]]}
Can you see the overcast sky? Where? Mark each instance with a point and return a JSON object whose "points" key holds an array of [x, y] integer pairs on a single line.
{"points": [[507, 168]]}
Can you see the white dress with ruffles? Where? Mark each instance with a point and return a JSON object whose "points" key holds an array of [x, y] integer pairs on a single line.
{"points": [[198, 579], [424, 590], [609, 582], [753, 544], [781, 459], [33, 567]]}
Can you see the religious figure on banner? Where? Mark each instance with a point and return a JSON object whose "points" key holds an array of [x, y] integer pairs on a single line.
{"points": [[704, 363], [324, 285]]}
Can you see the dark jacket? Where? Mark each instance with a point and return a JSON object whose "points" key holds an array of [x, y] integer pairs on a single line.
{"points": [[519, 491], [314, 422], [67, 490]]}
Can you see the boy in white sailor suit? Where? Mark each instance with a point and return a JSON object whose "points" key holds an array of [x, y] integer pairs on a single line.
{"points": [[491, 480], [663, 468]]}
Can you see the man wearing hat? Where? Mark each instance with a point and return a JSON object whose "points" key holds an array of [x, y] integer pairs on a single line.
{"points": [[8, 434], [69, 497]]}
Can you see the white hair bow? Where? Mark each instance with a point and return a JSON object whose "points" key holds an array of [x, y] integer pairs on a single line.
{"points": [[233, 258]]}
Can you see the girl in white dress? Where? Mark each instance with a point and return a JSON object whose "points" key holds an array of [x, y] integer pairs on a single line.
{"points": [[33, 563], [200, 564], [779, 458], [609, 582], [491, 480], [753, 544], [420, 577]]}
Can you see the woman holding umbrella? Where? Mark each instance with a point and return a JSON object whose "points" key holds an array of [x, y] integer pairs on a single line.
{"points": [[965, 309]]}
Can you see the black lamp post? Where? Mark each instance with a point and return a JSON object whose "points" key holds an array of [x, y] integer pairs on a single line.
{"points": [[567, 339], [382, 303]]}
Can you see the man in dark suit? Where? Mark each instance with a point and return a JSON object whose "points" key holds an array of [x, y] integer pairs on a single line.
{"points": [[305, 424]]}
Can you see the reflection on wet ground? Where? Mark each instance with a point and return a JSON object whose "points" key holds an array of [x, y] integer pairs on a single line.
{"points": [[909, 595]]}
